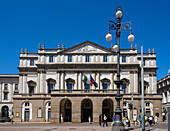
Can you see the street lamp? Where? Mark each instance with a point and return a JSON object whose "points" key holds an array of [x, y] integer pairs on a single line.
{"points": [[118, 26]]}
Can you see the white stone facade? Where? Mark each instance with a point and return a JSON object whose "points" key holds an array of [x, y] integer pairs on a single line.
{"points": [[51, 83]]}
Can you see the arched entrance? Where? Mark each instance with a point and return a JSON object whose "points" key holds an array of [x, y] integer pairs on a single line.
{"points": [[65, 110], [5, 111], [107, 109], [86, 110]]}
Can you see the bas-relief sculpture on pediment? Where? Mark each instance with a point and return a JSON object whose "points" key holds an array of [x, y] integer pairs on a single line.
{"points": [[88, 49]]}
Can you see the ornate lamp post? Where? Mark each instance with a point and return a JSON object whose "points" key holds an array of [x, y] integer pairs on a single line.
{"points": [[118, 26]]}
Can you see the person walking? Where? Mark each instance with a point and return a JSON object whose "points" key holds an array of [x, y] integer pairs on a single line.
{"points": [[100, 119], [104, 119], [89, 120], [156, 119], [150, 120]]}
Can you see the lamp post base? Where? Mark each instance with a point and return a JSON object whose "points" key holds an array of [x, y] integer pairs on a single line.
{"points": [[118, 128]]}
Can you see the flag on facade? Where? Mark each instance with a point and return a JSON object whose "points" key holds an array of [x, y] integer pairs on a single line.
{"points": [[86, 80], [92, 81]]}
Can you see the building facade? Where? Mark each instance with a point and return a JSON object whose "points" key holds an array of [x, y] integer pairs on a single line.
{"points": [[163, 86], [52, 89], [8, 84]]}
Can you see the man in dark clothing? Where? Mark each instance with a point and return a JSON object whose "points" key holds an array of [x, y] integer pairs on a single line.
{"points": [[100, 119]]}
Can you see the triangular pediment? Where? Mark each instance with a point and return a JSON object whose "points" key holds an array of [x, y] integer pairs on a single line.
{"points": [[87, 47]]}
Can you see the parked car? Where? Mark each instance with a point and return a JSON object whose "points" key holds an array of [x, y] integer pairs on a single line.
{"points": [[5, 119]]}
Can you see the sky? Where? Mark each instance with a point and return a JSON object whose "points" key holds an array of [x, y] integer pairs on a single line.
{"points": [[26, 23]]}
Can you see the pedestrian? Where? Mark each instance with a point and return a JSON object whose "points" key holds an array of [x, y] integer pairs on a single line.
{"points": [[140, 121], [127, 122], [156, 119], [150, 120], [100, 120], [113, 120], [62, 118], [89, 120], [104, 119]]}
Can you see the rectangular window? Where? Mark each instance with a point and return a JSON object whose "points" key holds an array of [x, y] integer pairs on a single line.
{"points": [[104, 86], [143, 62], [87, 86], [5, 96], [104, 58], [31, 62], [69, 58], [50, 87], [51, 59], [69, 86], [6, 87], [87, 58], [16, 86], [31, 89], [124, 88], [123, 59]]}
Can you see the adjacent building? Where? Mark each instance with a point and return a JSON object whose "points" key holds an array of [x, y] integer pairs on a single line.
{"points": [[8, 84], [163, 87]]}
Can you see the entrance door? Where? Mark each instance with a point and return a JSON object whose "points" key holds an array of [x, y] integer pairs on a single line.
{"points": [[107, 109], [68, 115], [27, 114], [4, 111], [49, 116]]}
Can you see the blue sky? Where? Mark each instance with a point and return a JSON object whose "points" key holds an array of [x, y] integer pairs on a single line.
{"points": [[25, 23]]}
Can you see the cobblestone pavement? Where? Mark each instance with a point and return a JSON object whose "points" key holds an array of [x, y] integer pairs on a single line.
{"points": [[69, 127]]}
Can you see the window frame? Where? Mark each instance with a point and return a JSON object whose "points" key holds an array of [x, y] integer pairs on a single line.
{"points": [[123, 59], [32, 62], [87, 58], [105, 58], [51, 59], [69, 58]]}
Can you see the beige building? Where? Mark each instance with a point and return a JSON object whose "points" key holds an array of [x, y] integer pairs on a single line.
{"points": [[163, 86], [52, 89], [8, 84]]}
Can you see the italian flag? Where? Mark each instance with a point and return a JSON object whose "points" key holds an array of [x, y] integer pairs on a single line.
{"points": [[86, 80]]}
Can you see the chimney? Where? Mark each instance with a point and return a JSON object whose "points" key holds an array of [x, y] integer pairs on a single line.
{"points": [[22, 50], [131, 46], [149, 50], [43, 46], [136, 46], [39, 46], [153, 50], [26, 50], [59, 45], [63, 45], [111, 45]]}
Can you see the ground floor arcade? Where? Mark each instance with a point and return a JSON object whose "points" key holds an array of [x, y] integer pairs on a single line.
{"points": [[76, 108]]}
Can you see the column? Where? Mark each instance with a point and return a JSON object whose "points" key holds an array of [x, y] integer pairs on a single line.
{"points": [[98, 79], [168, 96], [76, 81], [135, 82], [0, 92], [111, 82], [41, 83], [80, 81], [163, 97], [62, 80], [11, 90], [131, 82], [24, 83], [57, 82], [43, 88], [20, 85], [38, 82]]}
